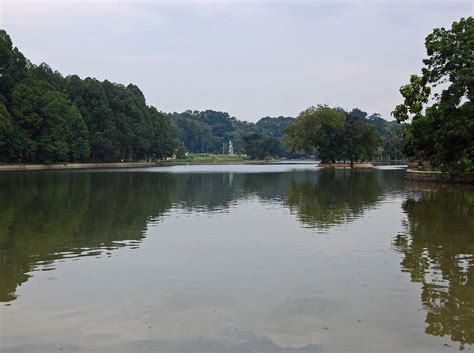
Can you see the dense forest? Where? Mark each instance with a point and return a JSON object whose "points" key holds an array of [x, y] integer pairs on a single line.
{"points": [[46, 117]]}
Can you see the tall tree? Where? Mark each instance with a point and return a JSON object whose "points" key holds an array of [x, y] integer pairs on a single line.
{"points": [[335, 134], [361, 140], [13, 65], [259, 146], [5, 129], [25, 99], [319, 128], [443, 132], [161, 143], [275, 126]]}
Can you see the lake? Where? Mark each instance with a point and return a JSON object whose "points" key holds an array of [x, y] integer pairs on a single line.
{"points": [[271, 258]]}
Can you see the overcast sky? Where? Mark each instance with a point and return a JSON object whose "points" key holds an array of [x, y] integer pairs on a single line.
{"points": [[249, 58]]}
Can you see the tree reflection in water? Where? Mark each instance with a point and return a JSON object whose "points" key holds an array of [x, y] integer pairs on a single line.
{"points": [[340, 196], [48, 216], [438, 252]]}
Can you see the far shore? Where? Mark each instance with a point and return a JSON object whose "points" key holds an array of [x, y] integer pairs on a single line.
{"points": [[339, 165], [128, 165], [170, 163]]}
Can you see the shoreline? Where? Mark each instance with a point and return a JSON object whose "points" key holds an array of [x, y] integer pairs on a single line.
{"points": [[69, 166], [171, 163], [129, 165], [439, 177], [338, 165]]}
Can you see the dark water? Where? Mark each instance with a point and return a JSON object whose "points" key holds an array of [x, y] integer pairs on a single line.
{"points": [[234, 259]]}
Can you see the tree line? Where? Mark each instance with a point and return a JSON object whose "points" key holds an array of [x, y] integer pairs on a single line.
{"points": [[210, 131], [46, 118]]}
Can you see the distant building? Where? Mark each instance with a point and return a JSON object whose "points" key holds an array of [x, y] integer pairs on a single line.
{"points": [[231, 148]]}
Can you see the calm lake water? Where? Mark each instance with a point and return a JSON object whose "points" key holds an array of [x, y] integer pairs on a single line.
{"points": [[282, 258]]}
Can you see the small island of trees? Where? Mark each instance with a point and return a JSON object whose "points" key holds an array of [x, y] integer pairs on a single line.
{"points": [[335, 133]]}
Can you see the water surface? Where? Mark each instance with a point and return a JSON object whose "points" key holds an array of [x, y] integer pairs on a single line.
{"points": [[282, 258]]}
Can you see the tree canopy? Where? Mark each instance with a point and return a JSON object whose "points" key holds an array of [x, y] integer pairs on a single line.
{"points": [[440, 102], [45, 117], [335, 134], [210, 132]]}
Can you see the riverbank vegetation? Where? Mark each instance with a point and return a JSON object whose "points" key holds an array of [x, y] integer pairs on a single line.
{"points": [[211, 158], [438, 106]]}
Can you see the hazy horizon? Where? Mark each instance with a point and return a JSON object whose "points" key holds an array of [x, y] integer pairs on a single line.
{"points": [[248, 58]]}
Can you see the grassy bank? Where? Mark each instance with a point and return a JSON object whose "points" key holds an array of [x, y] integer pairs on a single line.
{"points": [[197, 159], [212, 158]]}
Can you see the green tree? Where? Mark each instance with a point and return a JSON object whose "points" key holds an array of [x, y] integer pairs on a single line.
{"points": [[318, 128], [258, 146], [443, 132], [390, 131], [393, 142], [90, 98], [181, 152], [361, 140], [63, 135], [5, 128], [161, 141], [196, 135], [52, 135], [204, 131], [335, 134], [275, 126], [13, 65], [78, 136], [24, 108], [53, 79]]}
